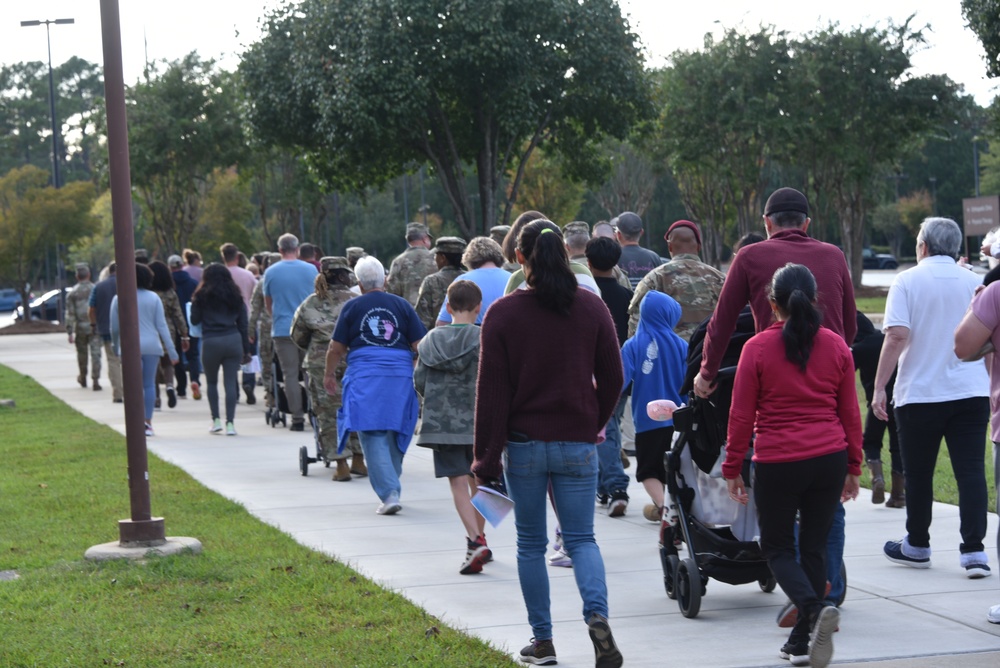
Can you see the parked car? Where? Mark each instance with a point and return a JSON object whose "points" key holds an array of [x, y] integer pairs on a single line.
{"points": [[45, 307], [872, 260], [10, 299]]}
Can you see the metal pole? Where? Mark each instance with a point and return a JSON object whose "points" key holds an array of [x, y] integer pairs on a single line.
{"points": [[975, 162], [142, 528], [52, 109]]}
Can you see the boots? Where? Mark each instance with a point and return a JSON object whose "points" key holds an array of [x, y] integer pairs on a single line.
{"points": [[343, 472], [358, 464], [897, 496], [878, 482]]}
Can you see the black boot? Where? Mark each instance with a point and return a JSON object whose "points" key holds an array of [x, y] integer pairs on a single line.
{"points": [[878, 481]]}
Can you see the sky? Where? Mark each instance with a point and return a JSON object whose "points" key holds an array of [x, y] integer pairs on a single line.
{"points": [[221, 30]]}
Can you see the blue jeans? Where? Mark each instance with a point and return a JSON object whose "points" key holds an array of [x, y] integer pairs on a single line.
{"points": [[611, 475], [149, 366], [834, 553], [384, 460], [572, 470]]}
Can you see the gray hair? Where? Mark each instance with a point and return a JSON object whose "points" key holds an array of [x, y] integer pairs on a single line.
{"points": [[480, 251], [370, 273], [576, 241], [603, 229], [941, 236], [287, 243]]}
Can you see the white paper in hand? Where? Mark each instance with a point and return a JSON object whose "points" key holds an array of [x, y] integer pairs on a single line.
{"points": [[492, 505]]}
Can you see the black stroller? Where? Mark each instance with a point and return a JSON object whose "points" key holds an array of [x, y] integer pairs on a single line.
{"points": [[279, 413], [720, 535]]}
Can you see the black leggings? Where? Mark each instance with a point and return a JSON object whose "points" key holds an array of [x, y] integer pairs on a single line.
{"points": [[225, 351], [811, 488]]}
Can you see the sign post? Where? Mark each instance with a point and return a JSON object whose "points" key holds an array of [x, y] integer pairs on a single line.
{"points": [[981, 214]]}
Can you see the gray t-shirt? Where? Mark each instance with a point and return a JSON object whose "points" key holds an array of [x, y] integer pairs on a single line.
{"points": [[637, 261]]}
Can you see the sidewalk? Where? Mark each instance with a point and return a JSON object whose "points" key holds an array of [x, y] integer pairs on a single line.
{"points": [[893, 616]]}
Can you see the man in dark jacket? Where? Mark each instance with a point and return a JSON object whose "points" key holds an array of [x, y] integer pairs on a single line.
{"points": [[191, 359]]}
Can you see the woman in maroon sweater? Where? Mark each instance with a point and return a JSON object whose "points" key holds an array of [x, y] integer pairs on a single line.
{"points": [[549, 378], [794, 391]]}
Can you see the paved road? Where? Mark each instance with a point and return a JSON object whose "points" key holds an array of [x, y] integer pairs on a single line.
{"points": [[893, 617]]}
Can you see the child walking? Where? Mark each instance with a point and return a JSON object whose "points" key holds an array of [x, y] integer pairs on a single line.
{"points": [[445, 377], [654, 361]]}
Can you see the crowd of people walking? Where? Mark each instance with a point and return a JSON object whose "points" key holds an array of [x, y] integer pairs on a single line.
{"points": [[525, 363]]}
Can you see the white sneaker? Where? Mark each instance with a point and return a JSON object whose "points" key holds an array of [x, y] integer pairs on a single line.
{"points": [[149, 430], [216, 426], [230, 429], [993, 616], [390, 506]]}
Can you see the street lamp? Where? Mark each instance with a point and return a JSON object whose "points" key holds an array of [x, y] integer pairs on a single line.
{"points": [[52, 93]]}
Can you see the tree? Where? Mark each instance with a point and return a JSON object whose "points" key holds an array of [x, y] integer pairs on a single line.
{"points": [[632, 182], [545, 188], [183, 124], [984, 20], [34, 215], [860, 112], [369, 90]]}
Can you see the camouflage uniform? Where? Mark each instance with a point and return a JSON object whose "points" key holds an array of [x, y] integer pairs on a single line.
{"points": [[177, 324], [621, 277], [434, 288], [312, 327], [432, 294], [408, 271], [85, 338], [259, 327], [694, 284], [445, 376]]}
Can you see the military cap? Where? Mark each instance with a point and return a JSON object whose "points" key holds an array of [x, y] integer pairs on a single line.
{"points": [[499, 232], [82, 266], [334, 262], [450, 245], [577, 226], [354, 253], [141, 254]]}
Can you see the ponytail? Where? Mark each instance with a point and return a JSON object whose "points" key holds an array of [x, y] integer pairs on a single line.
{"points": [[793, 290], [555, 285]]}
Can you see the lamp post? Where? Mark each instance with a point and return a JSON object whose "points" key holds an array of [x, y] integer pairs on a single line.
{"points": [[52, 92]]}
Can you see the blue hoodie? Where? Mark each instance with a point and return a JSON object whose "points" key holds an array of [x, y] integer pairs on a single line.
{"points": [[655, 359]]}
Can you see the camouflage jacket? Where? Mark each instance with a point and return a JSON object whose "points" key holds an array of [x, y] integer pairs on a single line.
{"points": [[258, 313], [694, 284], [176, 322], [432, 293], [78, 307], [408, 271], [445, 376], [313, 324]]}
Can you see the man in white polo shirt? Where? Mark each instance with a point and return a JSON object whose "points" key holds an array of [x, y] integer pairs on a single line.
{"points": [[936, 395]]}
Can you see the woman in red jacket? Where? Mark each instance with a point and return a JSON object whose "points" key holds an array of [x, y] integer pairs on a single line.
{"points": [[794, 393]]}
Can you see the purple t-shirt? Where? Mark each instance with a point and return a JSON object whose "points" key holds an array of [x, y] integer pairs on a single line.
{"points": [[986, 307], [245, 281]]}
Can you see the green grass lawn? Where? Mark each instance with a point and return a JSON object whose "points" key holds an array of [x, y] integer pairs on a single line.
{"points": [[255, 597], [870, 304]]}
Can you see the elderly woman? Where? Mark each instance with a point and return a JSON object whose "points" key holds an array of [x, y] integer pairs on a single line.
{"points": [[312, 326], [484, 258], [936, 396], [379, 333]]}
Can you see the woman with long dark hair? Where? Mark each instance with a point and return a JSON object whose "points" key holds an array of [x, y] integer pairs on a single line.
{"points": [[541, 401], [217, 305], [163, 286], [153, 336], [795, 393]]}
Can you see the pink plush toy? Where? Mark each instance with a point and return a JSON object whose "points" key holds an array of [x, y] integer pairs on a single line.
{"points": [[661, 409]]}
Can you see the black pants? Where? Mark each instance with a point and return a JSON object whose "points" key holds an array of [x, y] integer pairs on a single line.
{"points": [[811, 489], [872, 440], [962, 425], [650, 447]]}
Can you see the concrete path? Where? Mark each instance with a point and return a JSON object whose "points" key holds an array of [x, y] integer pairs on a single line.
{"points": [[893, 616]]}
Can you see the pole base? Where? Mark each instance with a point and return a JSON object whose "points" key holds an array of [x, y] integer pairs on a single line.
{"points": [[142, 533], [171, 546]]}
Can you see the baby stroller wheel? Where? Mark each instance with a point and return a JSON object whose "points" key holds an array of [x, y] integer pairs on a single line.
{"points": [[670, 564], [689, 588], [304, 460], [767, 584]]}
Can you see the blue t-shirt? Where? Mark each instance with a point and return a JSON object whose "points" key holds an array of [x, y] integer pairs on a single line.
{"points": [[287, 283], [378, 319], [492, 281]]}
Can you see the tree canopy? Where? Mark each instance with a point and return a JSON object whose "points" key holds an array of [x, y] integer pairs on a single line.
{"points": [[367, 89], [984, 20]]}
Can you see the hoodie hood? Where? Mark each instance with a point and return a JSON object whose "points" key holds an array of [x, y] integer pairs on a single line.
{"points": [[659, 311], [450, 348]]}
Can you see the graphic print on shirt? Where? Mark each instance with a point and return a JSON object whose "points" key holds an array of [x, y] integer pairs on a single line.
{"points": [[652, 352], [380, 328]]}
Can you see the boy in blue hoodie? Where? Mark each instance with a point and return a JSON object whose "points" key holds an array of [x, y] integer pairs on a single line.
{"points": [[654, 361]]}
